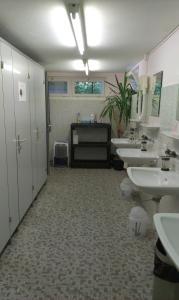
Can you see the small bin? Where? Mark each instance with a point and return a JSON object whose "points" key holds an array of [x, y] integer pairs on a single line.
{"points": [[138, 222], [166, 279], [60, 154], [127, 189]]}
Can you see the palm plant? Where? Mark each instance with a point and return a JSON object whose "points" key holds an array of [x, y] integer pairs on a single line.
{"points": [[118, 105]]}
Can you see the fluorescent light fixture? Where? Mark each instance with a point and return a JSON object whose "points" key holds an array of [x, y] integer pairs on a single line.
{"points": [[77, 28], [94, 26], [86, 67], [94, 65], [59, 22], [78, 65], [81, 65]]}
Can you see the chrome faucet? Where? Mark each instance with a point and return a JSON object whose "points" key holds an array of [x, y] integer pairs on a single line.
{"points": [[166, 159], [170, 153], [144, 140]]}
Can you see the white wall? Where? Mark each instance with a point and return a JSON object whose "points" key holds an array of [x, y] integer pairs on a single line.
{"points": [[63, 109], [165, 57]]}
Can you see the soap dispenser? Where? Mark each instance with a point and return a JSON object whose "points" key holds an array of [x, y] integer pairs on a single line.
{"points": [[143, 146], [165, 163], [132, 134]]}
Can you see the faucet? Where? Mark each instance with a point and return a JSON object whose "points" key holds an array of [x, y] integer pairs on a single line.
{"points": [[144, 140], [132, 134], [170, 153], [166, 159]]}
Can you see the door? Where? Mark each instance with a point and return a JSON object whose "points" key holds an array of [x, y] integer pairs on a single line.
{"points": [[34, 130], [23, 137], [48, 123], [7, 83], [4, 208], [38, 126], [40, 107]]}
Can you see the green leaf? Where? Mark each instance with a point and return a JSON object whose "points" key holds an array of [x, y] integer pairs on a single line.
{"points": [[120, 101]]}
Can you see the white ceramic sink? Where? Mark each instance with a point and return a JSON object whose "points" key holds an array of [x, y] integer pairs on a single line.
{"points": [[136, 156], [167, 226], [125, 143], [155, 181]]}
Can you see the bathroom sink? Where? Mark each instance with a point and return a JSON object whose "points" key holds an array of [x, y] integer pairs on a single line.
{"points": [[136, 156], [167, 226], [125, 143], [155, 181]]}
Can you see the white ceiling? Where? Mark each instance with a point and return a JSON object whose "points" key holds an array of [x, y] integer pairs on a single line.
{"points": [[123, 30]]}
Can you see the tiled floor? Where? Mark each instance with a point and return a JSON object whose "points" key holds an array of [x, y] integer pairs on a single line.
{"points": [[74, 244]]}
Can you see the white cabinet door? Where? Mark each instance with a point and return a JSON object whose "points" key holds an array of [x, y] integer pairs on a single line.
{"points": [[39, 83], [23, 137], [7, 83], [4, 208]]}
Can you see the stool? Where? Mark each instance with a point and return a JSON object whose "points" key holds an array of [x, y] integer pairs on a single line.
{"points": [[60, 151]]}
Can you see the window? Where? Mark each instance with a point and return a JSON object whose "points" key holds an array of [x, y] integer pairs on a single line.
{"points": [[58, 87], [88, 87]]}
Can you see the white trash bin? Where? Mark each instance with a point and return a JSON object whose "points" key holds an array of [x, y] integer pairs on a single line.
{"points": [[138, 222], [127, 189]]}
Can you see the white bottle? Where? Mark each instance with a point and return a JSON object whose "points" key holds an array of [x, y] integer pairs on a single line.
{"points": [[75, 137]]}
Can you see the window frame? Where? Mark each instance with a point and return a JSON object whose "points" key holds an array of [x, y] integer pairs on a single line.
{"points": [[88, 95], [59, 79]]}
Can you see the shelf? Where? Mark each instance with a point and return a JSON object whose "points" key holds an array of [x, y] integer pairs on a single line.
{"points": [[92, 144], [150, 126], [90, 164], [135, 120], [90, 125], [170, 134]]}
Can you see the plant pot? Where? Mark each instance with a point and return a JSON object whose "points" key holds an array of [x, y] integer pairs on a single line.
{"points": [[120, 132]]}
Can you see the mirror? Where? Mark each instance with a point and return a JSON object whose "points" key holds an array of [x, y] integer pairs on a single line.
{"points": [[156, 93]]}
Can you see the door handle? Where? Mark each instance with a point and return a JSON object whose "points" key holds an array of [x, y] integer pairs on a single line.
{"points": [[37, 133], [50, 127], [22, 141], [18, 142]]}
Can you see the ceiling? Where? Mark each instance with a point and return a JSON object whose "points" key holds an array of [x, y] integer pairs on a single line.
{"points": [[119, 32]]}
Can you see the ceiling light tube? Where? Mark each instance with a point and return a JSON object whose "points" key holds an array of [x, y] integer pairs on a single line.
{"points": [[86, 66], [77, 28]]}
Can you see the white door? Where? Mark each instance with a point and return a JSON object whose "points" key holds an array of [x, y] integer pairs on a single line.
{"points": [[38, 126], [34, 130], [41, 124], [7, 76], [23, 137], [4, 208]]}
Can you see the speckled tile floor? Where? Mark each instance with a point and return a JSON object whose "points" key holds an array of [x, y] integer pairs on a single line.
{"points": [[74, 244]]}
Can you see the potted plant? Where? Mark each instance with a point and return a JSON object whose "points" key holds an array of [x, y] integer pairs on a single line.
{"points": [[118, 104]]}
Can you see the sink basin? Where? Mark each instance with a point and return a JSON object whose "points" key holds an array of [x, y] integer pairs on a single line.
{"points": [[167, 226], [136, 156], [125, 143], [154, 181]]}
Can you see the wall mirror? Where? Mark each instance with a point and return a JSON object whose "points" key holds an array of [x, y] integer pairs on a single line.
{"points": [[156, 93]]}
